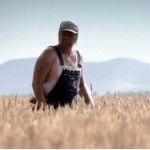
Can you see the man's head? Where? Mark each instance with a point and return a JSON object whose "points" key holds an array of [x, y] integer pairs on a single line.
{"points": [[68, 26], [68, 33]]}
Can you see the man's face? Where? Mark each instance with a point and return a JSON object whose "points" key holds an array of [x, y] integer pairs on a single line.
{"points": [[67, 38]]}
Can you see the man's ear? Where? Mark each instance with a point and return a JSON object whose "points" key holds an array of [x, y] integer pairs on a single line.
{"points": [[76, 38]]}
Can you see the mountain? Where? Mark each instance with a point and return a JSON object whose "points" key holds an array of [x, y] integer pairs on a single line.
{"points": [[120, 74], [16, 76]]}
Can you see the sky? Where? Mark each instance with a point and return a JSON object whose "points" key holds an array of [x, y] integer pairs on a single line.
{"points": [[107, 28]]}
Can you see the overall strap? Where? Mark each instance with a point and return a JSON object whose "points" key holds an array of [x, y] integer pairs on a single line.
{"points": [[79, 59], [59, 55]]}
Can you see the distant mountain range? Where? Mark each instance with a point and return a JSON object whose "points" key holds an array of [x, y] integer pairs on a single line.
{"points": [[120, 74]]}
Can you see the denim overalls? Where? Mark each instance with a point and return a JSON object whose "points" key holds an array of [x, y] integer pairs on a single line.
{"points": [[66, 87]]}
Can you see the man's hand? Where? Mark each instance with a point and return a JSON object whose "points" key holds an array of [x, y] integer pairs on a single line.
{"points": [[89, 101], [42, 105]]}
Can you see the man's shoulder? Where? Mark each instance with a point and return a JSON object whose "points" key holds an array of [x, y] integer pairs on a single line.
{"points": [[80, 58], [78, 52], [49, 51], [47, 55]]}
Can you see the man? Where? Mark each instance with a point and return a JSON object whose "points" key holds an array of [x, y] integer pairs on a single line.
{"points": [[58, 74]]}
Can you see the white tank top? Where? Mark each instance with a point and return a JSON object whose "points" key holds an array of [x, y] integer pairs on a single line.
{"points": [[47, 87]]}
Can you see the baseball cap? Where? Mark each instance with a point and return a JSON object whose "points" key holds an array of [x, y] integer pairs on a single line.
{"points": [[68, 26]]}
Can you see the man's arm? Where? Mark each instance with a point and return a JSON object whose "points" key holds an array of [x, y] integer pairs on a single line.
{"points": [[85, 92], [41, 70]]}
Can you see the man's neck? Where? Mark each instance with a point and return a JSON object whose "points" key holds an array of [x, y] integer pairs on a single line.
{"points": [[66, 50]]}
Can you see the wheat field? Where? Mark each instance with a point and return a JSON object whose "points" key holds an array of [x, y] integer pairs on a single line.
{"points": [[115, 122]]}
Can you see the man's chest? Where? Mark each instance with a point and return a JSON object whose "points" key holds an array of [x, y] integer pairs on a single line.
{"points": [[70, 60]]}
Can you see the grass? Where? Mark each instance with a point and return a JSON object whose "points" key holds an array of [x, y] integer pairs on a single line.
{"points": [[115, 122]]}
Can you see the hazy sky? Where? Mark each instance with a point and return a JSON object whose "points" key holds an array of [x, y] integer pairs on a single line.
{"points": [[108, 28]]}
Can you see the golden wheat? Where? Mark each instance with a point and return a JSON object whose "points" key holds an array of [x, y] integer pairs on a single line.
{"points": [[115, 122]]}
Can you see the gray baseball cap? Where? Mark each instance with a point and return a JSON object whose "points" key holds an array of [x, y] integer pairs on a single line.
{"points": [[68, 26]]}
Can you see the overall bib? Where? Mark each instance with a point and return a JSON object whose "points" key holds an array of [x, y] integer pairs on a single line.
{"points": [[67, 86]]}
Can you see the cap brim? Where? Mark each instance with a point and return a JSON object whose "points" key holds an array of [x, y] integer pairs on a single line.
{"points": [[75, 32]]}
